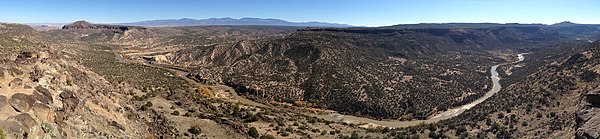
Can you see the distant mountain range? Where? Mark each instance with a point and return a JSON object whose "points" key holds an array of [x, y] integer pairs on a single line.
{"points": [[229, 21], [482, 25]]}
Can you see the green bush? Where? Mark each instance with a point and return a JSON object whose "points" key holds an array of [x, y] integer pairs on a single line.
{"points": [[175, 113], [524, 123], [461, 129], [354, 135], [2, 135], [195, 130], [285, 134], [149, 104], [289, 129], [253, 132], [250, 118], [302, 127], [267, 137], [144, 108], [434, 135]]}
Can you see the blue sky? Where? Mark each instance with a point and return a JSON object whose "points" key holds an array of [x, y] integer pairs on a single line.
{"points": [[355, 12]]}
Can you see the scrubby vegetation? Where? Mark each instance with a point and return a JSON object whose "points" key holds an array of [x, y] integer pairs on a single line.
{"points": [[396, 72], [101, 60], [2, 134]]}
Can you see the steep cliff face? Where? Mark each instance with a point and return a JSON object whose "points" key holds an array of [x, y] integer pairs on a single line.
{"points": [[85, 25], [104, 34]]}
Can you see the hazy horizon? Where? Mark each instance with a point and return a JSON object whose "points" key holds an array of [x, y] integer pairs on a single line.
{"points": [[352, 12], [279, 19]]}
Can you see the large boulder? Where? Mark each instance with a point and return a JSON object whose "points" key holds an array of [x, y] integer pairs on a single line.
{"points": [[15, 71], [25, 119], [67, 94], [14, 130], [69, 100], [589, 124], [588, 119], [21, 102], [70, 104], [43, 95], [593, 98], [15, 82], [43, 113]]}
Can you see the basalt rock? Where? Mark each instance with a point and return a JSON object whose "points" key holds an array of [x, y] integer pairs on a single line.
{"points": [[588, 118], [67, 94], [25, 119], [593, 98], [42, 97], [15, 71], [21, 102], [15, 82], [14, 130]]}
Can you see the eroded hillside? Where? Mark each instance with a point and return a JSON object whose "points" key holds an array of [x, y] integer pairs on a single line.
{"points": [[384, 73], [93, 81]]}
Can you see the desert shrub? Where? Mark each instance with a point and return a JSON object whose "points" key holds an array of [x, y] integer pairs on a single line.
{"points": [[250, 118], [354, 135], [175, 113], [285, 134], [144, 108], [195, 130], [2, 134], [267, 137], [253, 132]]}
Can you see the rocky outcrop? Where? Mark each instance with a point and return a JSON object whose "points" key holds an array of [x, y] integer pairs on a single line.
{"points": [[69, 100], [32, 83], [593, 98], [588, 118], [85, 25]]}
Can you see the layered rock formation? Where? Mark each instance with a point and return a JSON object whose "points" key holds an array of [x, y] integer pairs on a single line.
{"points": [[85, 25]]}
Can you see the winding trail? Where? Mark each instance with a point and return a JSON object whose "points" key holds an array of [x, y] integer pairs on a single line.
{"points": [[334, 116]]}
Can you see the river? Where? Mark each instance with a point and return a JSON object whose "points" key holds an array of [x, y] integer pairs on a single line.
{"points": [[387, 123], [438, 117], [496, 87]]}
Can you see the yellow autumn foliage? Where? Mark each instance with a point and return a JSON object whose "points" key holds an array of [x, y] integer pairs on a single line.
{"points": [[206, 91]]}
